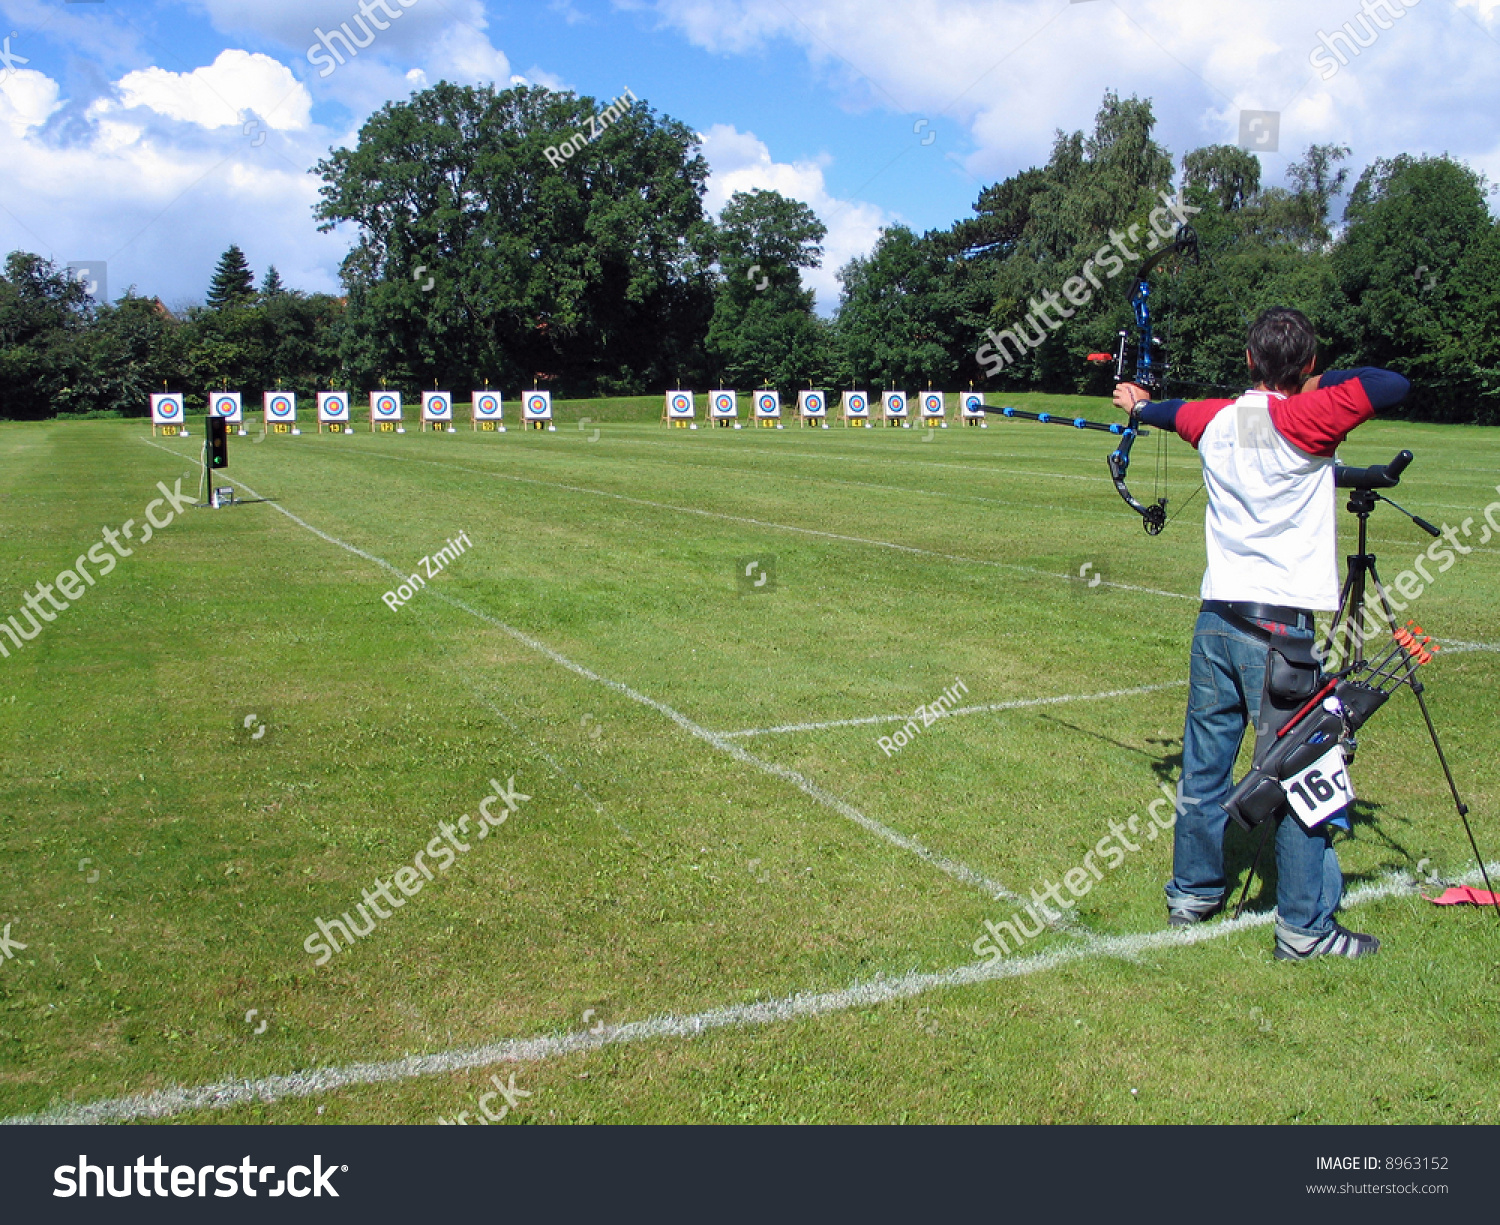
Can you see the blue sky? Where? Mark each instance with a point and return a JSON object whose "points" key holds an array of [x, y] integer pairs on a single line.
{"points": [[150, 134]]}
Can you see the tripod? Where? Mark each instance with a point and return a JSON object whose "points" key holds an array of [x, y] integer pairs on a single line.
{"points": [[1347, 631]]}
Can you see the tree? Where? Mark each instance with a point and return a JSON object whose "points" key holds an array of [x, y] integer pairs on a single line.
{"points": [[1094, 187], [484, 252], [272, 286], [131, 349], [43, 316], [1417, 285], [907, 313], [1230, 174], [233, 283], [763, 329]]}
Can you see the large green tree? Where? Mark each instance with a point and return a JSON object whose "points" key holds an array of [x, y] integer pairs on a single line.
{"points": [[1418, 283], [482, 251], [909, 312], [43, 317], [763, 330]]}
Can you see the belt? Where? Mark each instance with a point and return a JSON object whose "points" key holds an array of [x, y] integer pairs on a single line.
{"points": [[1263, 618]]}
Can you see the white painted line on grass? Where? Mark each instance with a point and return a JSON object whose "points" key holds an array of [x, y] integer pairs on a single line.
{"points": [[959, 871], [1450, 647], [779, 527], [165, 1103], [1018, 704]]}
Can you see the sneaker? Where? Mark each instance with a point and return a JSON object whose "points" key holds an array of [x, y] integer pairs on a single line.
{"points": [[1184, 916], [1340, 942]]}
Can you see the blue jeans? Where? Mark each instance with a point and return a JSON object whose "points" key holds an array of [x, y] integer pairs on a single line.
{"points": [[1224, 689]]}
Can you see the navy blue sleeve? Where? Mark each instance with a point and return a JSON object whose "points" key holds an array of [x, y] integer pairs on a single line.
{"points": [[1161, 413], [1385, 388]]}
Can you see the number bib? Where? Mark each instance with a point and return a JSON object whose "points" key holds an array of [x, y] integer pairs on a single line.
{"points": [[1321, 791]]}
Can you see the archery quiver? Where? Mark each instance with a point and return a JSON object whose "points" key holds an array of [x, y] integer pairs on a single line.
{"points": [[1303, 713]]}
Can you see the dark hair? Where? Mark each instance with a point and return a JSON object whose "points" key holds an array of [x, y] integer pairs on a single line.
{"points": [[1282, 342]]}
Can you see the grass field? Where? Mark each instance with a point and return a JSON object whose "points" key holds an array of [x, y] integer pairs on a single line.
{"points": [[723, 900]]}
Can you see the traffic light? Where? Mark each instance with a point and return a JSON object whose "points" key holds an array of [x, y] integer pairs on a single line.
{"points": [[218, 443]]}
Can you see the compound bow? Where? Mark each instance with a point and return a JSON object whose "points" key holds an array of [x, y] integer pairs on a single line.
{"points": [[1148, 371]]}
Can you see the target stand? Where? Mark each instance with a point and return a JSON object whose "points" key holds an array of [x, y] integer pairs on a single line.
{"points": [[812, 409], [723, 409], [486, 409], [677, 410], [856, 410]]}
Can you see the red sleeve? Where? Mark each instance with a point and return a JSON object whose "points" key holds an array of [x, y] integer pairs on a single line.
{"points": [[1317, 421], [1193, 418]]}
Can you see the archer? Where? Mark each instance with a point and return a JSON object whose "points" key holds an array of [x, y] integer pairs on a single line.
{"points": [[1268, 467]]}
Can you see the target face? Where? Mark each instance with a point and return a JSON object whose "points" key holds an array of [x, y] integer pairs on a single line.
{"points": [[437, 405], [486, 405], [167, 408], [539, 405], [895, 404], [768, 404], [281, 406], [972, 404], [723, 403], [386, 405], [932, 404], [812, 403], [225, 404], [679, 404], [333, 406], [856, 404]]}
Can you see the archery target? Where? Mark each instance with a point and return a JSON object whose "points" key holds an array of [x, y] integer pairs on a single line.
{"points": [[437, 406], [680, 404], [856, 404], [281, 406], [768, 404], [166, 409], [225, 404], [812, 404], [385, 405], [723, 404], [487, 405], [333, 406], [537, 405], [894, 403], [932, 404], [972, 402]]}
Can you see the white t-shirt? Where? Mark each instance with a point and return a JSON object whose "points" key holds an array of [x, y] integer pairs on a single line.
{"points": [[1271, 527]]}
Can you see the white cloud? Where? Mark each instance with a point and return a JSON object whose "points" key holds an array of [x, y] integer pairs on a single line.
{"points": [[740, 161], [27, 100], [1010, 75], [158, 191], [220, 95]]}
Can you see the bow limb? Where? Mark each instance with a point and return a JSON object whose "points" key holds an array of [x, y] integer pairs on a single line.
{"points": [[1153, 517]]}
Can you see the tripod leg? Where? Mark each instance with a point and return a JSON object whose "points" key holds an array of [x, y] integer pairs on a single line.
{"points": [[1343, 620], [1254, 864], [1411, 682]]}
